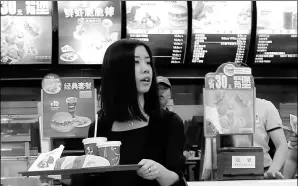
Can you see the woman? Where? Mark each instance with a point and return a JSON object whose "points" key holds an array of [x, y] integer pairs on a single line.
{"points": [[131, 113]]}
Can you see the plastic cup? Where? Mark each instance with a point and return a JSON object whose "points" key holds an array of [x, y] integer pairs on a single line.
{"points": [[90, 144], [288, 20], [111, 151]]}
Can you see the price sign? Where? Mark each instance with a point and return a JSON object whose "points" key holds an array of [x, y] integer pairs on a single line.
{"points": [[243, 162], [229, 92], [26, 8], [8, 7]]}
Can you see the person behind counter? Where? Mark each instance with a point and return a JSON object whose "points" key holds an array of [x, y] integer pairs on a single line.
{"points": [[164, 89], [131, 113], [165, 93], [269, 125]]}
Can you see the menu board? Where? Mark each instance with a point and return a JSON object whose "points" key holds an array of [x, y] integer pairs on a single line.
{"points": [[276, 32], [68, 106], [220, 31], [229, 101], [87, 29], [160, 24], [26, 32]]}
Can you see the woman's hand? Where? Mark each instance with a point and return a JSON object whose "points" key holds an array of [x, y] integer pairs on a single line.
{"points": [[149, 169], [273, 175], [45, 180]]}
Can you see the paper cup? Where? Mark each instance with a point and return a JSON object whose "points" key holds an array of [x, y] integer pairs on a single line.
{"points": [[90, 144], [111, 151]]}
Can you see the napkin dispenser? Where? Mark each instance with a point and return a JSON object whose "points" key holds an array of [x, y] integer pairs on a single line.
{"points": [[240, 163]]}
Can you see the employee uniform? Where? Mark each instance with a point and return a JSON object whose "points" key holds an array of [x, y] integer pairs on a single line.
{"points": [[267, 120]]}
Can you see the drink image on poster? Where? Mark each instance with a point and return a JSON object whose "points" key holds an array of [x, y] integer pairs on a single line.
{"points": [[71, 103], [278, 17], [276, 25], [86, 29], [26, 32]]}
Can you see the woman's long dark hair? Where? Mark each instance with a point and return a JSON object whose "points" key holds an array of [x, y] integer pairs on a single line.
{"points": [[119, 95]]}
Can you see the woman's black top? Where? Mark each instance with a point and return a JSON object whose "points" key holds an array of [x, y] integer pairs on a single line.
{"points": [[162, 140]]}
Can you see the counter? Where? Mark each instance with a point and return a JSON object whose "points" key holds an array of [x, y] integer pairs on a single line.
{"points": [[34, 181], [291, 182]]}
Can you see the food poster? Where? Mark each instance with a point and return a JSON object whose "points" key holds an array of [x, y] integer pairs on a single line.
{"points": [[87, 29], [277, 17], [221, 17], [156, 16], [160, 24], [68, 106], [229, 97], [26, 32]]}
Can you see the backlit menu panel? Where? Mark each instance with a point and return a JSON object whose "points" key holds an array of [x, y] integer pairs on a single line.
{"points": [[160, 24], [220, 31], [87, 29], [276, 32], [26, 32]]}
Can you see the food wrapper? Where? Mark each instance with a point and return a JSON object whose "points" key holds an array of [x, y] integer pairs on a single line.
{"points": [[65, 162], [77, 162], [293, 122], [90, 161], [47, 161]]}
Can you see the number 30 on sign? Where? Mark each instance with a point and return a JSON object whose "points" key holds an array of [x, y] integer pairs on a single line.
{"points": [[8, 7], [221, 81], [218, 81]]}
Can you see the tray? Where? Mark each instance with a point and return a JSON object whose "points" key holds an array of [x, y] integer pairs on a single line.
{"points": [[90, 170]]}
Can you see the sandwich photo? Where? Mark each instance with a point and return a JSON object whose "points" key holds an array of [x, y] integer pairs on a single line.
{"points": [[62, 122], [178, 15]]}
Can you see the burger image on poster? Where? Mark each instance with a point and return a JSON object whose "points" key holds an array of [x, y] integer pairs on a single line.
{"points": [[62, 122], [178, 15]]}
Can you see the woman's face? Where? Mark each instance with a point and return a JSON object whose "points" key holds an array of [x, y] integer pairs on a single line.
{"points": [[143, 70]]}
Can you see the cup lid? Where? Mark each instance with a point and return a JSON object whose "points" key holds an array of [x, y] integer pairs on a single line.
{"points": [[109, 143], [94, 140]]}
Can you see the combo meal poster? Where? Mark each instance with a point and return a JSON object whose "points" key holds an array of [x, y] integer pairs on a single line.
{"points": [[69, 106]]}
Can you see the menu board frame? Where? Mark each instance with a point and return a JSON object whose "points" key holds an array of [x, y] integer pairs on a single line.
{"points": [[249, 51], [157, 61], [254, 46], [81, 65], [12, 67]]}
